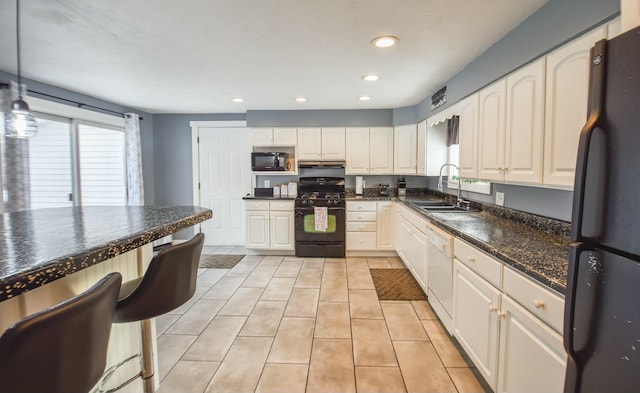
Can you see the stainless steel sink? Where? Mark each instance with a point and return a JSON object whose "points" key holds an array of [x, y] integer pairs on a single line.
{"points": [[441, 207]]}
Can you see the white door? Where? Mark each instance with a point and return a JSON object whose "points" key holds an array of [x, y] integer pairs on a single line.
{"points": [[381, 150], [404, 158], [468, 134], [333, 143], [357, 151], [225, 177]]}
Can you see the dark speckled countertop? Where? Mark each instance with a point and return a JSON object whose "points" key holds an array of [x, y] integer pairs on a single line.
{"points": [[40, 246], [542, 255]]}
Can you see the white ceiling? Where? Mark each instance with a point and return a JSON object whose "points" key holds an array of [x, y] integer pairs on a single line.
{"points": [[193, 56]]}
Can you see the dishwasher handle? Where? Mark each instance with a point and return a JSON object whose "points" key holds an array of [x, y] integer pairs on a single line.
{"points": [[441, 243]]}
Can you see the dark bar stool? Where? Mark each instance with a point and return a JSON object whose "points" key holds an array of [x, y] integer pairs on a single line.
{"points": [[62, 349], [169, 282]]}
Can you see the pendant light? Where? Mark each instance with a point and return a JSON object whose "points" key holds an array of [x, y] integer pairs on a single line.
{"points": [[20, 122]]}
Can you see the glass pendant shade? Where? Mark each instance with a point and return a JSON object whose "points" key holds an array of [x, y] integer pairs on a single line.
{"points": [[20, 122]]}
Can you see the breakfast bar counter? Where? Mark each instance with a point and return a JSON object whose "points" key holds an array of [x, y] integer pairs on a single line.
{"points": [[41, 246], [50, 255]]}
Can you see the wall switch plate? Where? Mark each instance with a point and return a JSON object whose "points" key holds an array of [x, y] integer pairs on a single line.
{"points": [[500, 198], [267, 183]]}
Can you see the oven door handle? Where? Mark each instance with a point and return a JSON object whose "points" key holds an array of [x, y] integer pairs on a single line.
{"points": [[301, 211]]}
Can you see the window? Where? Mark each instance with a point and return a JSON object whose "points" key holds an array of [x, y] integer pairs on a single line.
{"points": [[76, 163], [102, 167]]}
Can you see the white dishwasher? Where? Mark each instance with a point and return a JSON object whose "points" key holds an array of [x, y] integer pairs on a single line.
{"points": [[440, 274]]}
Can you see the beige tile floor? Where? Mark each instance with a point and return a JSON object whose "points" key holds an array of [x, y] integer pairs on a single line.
{"points": [[286, 324]]}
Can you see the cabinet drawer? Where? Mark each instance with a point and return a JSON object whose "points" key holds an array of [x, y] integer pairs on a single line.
{"points": [[542, 302], [256, 205], [361, 226], [361, 240], [361, 216], [362, 206], [281, 206], [488, 268]]}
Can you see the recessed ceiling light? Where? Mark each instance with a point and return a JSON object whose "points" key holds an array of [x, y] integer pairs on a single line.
{"points": [[370, 77], [364, 98], [237, 99], [385, 41], [301, 99]]}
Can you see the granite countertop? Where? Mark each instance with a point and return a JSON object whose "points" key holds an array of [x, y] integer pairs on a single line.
{"points": [[40, 246], [542, 255]]}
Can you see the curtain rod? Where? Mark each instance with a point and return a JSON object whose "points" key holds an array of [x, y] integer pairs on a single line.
{"points": [[78, 104]]}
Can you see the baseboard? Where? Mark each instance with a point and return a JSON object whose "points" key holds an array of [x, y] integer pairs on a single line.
{"points": [[271, 252], [371, 253]]}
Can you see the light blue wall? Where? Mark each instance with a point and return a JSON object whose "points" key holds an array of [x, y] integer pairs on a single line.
{"points": [[556, 23], [172, 155], [321, 118], [146, 125]]}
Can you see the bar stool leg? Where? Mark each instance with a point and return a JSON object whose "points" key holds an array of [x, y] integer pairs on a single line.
{"points": [[147, 356]]}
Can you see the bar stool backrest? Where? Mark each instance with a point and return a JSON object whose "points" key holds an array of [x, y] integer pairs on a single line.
{"points": [[62, 349], [169, 282]]}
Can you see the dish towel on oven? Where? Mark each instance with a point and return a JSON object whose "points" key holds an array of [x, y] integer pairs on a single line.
{"points": [[321, 218]]}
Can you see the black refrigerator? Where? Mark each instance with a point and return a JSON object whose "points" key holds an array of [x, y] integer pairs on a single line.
{"points": [[602, 309]]}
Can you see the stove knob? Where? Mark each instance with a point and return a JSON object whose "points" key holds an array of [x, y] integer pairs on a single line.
{"points": [[304, 201], [310, 202]]}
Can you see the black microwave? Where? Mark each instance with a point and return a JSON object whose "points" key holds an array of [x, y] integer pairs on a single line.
{"points": [[269, 161]]}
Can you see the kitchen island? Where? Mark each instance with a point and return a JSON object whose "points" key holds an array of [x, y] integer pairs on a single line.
{"points": [[50, 255]]}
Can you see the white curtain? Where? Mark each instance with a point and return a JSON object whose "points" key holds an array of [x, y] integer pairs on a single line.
{"points": [[15, 174], [135, 189]]}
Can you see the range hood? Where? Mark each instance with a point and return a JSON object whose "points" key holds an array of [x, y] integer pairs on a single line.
{"points": [[321, 164]]}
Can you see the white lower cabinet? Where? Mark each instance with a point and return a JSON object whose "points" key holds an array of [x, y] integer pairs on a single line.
{"points": [[532, 357], [513, 349], [370, 226], [386, 226], [411, 244], [269, 225], [475, 322]]}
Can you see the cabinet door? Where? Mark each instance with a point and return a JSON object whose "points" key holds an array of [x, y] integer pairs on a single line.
{"points": [[491, 131], [386, 228], [285, 136], [261, 137], [532, 357], [404, 233], [421, 148], [281, 231], [257, 229], [419, 258], [309, 144], [404, 155], [475, 320], [333, 143], [381, 150], [468, 135], [525, 115], [357, 151], [567, 82]]}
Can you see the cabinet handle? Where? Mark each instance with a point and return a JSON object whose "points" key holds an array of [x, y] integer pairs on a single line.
{"points": [[493, 308], [539, 303], [501, 314], [472, 259], [444, 248], [505, 169]]}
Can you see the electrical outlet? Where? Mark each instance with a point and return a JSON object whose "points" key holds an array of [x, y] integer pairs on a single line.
{"points": [[267, 183], [500, 198]]}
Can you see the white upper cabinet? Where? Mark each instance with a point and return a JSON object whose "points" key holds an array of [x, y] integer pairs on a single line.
{"points": [[404, 157], [333, 143], [567, 81], [491, 131], [321, 143], [357, 151], [630, 10], [431, 148], [381, 150], [369, 150], [524, 124], [309, 144], [468, 136], [273, 137]]}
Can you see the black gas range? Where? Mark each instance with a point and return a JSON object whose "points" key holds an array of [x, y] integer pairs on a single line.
{"points": [[320, 217]]}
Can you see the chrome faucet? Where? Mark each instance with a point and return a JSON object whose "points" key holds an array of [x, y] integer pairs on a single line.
{"points": [[440, 188]]}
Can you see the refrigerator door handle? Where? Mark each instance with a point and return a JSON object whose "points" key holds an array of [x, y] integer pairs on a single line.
{"points": [[596, 104], [570, 302]]}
